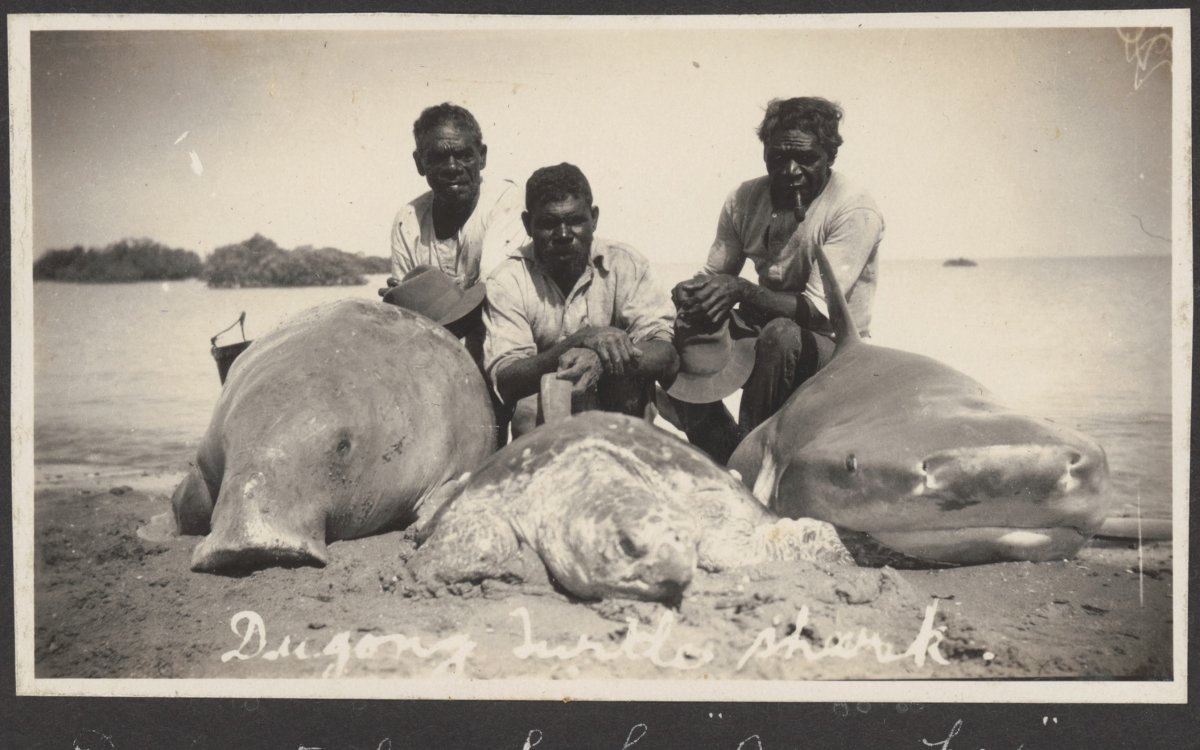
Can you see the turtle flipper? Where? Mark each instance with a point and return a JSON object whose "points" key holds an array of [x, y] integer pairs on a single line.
{"points": [[428, 509], [468, 548], [799, 539], [736, 544]]}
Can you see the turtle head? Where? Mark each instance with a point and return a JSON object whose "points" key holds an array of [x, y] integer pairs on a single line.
{"points": [[622, 538]]}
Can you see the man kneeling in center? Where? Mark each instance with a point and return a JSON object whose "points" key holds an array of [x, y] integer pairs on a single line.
{"points": [[576, 305]]}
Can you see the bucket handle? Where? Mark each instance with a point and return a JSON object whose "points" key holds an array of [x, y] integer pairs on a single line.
{"points": [[241, 321]]}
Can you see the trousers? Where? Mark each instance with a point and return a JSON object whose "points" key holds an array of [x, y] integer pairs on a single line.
{"points": [[785, 355]]}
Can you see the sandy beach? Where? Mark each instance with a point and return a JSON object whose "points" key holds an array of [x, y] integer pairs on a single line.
{"points": [[110, 604]]}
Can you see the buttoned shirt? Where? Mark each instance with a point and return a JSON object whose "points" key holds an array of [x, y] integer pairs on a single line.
{"points": [[489, 234], [843, 220], [527, 313]]}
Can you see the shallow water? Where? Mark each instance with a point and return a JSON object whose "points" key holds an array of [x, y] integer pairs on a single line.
{"points": [[124, 378]]}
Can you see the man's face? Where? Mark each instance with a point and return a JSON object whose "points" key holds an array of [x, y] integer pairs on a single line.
{"points": [[561, 231], [450, 160], [795, 162]]}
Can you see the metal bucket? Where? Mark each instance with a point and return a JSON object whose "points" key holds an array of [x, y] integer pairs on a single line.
{"points": [[225, 355]]}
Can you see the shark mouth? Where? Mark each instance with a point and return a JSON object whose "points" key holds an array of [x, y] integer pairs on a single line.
{"points": [[940, 548]]}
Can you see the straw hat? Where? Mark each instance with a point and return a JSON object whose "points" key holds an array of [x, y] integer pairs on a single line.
{"points": [[712, 364], [429, 291]]}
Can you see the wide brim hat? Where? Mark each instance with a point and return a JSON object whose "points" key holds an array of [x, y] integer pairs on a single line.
{"points": [[430, 292], [712, 363]]}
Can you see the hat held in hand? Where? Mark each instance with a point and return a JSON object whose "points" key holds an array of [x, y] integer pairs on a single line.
{"points": [[430, 292], [712, 364]]}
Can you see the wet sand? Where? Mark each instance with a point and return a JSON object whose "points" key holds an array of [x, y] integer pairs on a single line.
{"points": [[110, 604]]}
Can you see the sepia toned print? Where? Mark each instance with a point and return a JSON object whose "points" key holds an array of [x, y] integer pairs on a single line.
{"points": [[988, 488]]}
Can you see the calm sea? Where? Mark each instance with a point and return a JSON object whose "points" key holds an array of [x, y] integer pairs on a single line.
{"points": [[124, 378]]}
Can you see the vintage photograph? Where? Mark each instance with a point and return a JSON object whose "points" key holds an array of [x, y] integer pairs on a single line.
{"points": [[750, 358]]}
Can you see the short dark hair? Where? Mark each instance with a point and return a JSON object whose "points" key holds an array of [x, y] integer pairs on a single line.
{"points": [[556, 183], [812, 114], [446, 114]]}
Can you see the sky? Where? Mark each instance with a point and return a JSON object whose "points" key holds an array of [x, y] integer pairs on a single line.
{"points": [[974, 142]]}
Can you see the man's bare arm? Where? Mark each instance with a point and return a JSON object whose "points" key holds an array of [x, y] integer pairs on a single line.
{"points": [[616, 354], [522, 377], [712, 297], [659, 360], [773, 304]]}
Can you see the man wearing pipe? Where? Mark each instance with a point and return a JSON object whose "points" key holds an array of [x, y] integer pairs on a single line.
{"points": [[776, 221]]}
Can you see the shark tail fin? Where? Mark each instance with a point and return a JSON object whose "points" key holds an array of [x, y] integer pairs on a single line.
{"points": [[845, 331]]}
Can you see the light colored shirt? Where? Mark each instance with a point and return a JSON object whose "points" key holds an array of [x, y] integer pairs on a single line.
{"points": [[843, 220], [490, 233], [526, 312]]}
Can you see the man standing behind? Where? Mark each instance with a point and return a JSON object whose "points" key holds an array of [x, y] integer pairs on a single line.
{"points": [[463, 225], [576, 305], [776, 221]]}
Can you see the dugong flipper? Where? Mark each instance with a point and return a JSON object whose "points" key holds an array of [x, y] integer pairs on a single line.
{"points": [[340, 423], [917, 463], [608, 506]]}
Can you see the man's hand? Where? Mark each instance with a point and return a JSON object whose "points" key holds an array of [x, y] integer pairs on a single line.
{"points": [[687, 307], [392, 282], [582, 367], [613, 347], [708, 298], [684, 293]]}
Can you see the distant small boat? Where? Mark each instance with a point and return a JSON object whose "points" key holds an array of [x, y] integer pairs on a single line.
{"points": [[964, 262]]}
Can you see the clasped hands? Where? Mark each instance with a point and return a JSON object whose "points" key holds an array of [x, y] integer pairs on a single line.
{"points": [[597, 351], [707, 299]]}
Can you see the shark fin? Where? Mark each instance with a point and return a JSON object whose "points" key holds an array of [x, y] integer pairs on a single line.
{"points": [[845, 331]]}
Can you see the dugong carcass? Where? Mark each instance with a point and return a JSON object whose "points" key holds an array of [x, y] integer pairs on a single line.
{"points": [[608, 506], [338, 424], [917, 463]]}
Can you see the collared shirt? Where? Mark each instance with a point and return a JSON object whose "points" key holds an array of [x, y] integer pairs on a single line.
{"points": [[490, 233], [843, 220], [526, 312]]}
